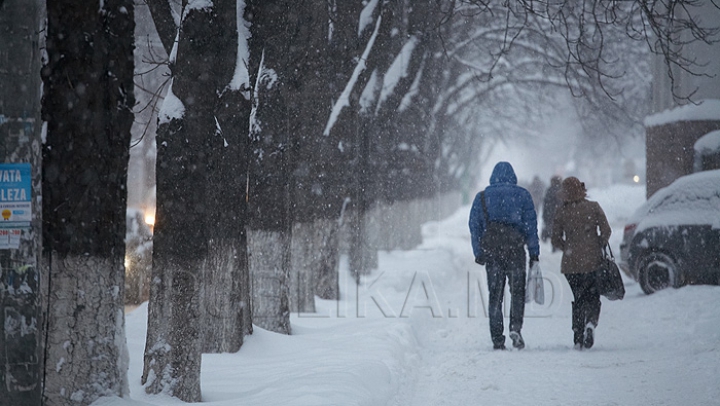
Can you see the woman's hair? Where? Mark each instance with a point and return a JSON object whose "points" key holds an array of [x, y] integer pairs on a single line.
{"points": [[573, 190]]}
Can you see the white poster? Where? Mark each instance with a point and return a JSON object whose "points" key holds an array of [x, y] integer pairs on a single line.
{"points": [[10, 238]]}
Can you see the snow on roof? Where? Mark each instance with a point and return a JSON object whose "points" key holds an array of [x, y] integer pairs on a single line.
{"points": [[708, 142], [704, 110]]}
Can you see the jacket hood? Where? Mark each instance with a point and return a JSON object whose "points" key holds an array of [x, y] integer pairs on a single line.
{"points": [[503, 173], [573, 190]]}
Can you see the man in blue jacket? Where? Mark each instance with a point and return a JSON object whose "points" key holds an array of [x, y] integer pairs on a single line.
{"points": [[502, 222]]}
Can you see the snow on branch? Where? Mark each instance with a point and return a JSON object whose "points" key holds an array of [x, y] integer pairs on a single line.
{"points": [[397, 70], [367, 97], [172, 107], [414, 88], [344, 99], [198, 5], [241, 77], [366, 16]]}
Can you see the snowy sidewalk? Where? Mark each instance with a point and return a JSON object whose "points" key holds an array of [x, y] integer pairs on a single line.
{"points": [[416, 333], [650, 350]]}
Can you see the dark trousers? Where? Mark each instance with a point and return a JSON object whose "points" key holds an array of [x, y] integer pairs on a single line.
{"points": [[586, 308], [509, 265]]}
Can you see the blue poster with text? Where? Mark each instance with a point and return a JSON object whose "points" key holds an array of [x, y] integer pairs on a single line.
{"points": [[15, 195]]}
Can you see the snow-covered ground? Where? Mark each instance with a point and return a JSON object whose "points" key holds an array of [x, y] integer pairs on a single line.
{"points": [[416, 333]]}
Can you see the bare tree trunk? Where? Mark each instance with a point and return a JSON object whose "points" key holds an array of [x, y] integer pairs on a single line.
{"points": [[173, 346], [228, 276], [326, 275], [270, 180], [88, 109], [20, 289], [91, 360], [231, 206], [270, 279], [303, 255], [199, 251], [224, 305]]}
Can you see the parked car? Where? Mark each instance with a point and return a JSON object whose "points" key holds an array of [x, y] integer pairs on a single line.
{"points": [[673, 239]]}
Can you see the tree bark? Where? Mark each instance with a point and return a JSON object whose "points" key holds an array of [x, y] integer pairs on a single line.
{"points": [[173, 347], [88, 109], [317, 163], [199, 252], [270, 182], [326, 277]]}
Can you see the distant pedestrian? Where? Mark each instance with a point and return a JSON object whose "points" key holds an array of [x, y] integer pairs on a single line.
{"points": [[580, 231], [537, 189], [502, 222], [550, 203]]}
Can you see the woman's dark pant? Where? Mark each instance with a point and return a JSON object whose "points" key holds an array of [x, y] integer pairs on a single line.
{"points": [[508, 264], [586, 308]]}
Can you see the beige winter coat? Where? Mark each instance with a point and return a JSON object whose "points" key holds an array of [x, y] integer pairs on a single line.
{"points": [[580, 230]]}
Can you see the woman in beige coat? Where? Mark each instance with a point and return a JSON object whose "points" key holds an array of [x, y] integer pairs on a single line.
{"points": [[580, 231]]}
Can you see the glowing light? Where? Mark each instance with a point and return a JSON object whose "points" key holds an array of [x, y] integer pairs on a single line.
{"points": [[127, 262], [150, 219], [636, 179]]}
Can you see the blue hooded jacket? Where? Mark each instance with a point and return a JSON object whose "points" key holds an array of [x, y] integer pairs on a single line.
{"points": [[508, 203]]}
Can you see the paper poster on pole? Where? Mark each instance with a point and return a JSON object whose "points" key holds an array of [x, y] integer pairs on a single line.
{"points": [[15, 196], [10, 238]]}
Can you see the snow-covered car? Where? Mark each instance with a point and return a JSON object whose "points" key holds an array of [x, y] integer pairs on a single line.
{"points": [[673, 239]]}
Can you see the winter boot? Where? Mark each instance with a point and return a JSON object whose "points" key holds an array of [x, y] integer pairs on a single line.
{"points": [[588, 339], [591, 321], [517, 340], [499, 343], [578, 337], [577, 327], [593, 313]]}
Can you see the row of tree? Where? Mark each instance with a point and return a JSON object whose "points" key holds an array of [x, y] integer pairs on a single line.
{"points": [[277, 119]]}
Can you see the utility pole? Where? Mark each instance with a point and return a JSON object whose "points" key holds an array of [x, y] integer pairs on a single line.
{"points": [[20, 158]]}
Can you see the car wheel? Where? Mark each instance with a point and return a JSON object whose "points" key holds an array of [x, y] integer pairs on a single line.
{"points": [[657, 271]]}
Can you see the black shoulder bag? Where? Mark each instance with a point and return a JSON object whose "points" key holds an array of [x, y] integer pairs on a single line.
{"points": [[608, 279]]}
